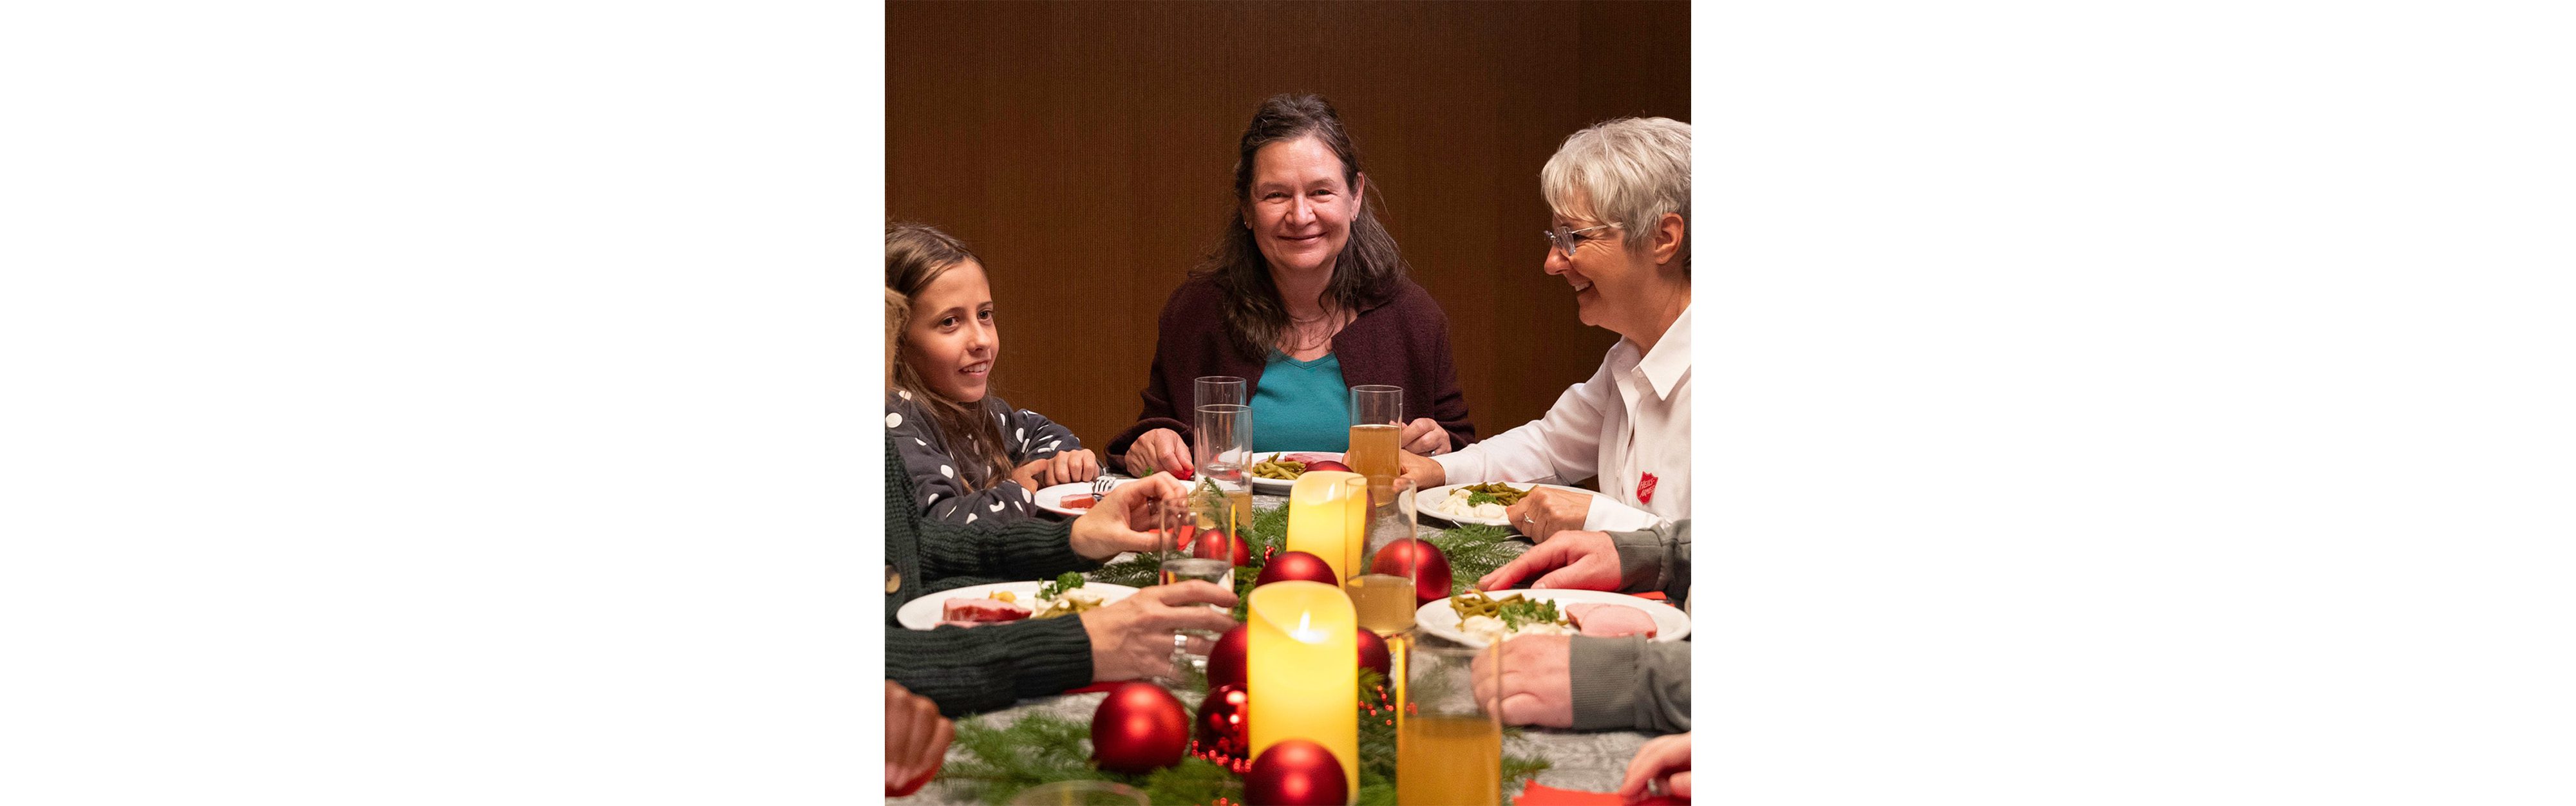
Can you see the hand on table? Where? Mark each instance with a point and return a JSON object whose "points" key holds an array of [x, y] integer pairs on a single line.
{"points": [[1158, 450], [1538, 688], [1132, 637], [1111, 526], [1664, 763], [1581, 560], [1546, 511], [1066, 468], [916, 740], [1424, 437], [1425, 473]]}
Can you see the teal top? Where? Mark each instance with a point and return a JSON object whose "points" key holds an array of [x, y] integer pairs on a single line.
{"points": [[1301, 406]]}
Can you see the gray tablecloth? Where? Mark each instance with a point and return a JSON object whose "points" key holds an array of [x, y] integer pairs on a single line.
{"points": [[1584, 761]]}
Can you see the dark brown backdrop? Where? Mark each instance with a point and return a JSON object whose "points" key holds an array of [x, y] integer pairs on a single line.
{"points": [[1085, 150]]}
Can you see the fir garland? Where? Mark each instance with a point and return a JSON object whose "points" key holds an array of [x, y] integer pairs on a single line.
{"points": [[1039, 748]]}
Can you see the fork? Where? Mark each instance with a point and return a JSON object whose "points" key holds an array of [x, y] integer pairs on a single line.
{"points": [[1100, 487]]}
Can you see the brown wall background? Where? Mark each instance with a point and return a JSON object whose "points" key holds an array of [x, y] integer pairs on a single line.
{"points": [[1085, 151]]}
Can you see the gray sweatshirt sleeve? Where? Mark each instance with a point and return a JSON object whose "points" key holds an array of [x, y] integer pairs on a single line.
{"points": [[1630, 683], [1029, 435], [1656, 559], [937, 483]]}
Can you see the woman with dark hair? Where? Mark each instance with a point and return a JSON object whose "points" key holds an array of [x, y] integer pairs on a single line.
{"points": [[1304, 297]]}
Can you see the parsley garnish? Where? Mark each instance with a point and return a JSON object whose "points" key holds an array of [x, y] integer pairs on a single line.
{"points": [[1069, 581]]}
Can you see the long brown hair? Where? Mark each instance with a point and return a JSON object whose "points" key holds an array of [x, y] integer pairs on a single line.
{"points": [[917, 254], [1368, 271]]}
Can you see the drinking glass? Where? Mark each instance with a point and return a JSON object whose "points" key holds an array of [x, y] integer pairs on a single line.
{"points": [[1223, 455], [1377, 421], [1175, 524], [1448, 724], [1386, 602], [1220, 390]]}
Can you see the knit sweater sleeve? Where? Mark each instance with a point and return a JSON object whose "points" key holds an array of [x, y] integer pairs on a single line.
{"points": [[969, 670], [1630, 683], [1446, 403], [1029, 548]]}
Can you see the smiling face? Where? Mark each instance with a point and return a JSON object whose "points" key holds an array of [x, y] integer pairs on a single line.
{"points": [[1300, 210], [1612, 286], [951, 340]]}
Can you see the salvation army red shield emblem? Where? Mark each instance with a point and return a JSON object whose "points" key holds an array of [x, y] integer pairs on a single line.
{"points": [[1646, 489]]}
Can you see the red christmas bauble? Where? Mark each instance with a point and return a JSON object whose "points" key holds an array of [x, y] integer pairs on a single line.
{"points": [[1373, 654], [1139, 728], [1223, 735], [1297, 565], [1214, 544], [1416, 558], [1296, 772], [1227, 663]]}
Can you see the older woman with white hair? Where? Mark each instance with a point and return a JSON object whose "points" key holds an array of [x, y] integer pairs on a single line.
{"points": [[1620, 192]]}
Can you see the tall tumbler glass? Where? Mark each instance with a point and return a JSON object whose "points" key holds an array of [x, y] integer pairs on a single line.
{"points": [[1377, 420], [1385, 601], [1220, 390], [1223, 456], [1175, 528], [1449, 724]]}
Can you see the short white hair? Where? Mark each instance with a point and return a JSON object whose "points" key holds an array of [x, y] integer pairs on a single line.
{"points": [[1631, 170]]}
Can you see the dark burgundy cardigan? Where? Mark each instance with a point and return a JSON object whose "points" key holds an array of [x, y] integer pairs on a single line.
{"points": [[1402, 342]]}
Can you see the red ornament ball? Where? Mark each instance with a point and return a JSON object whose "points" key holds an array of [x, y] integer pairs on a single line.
{"points": [[1416, 558], [1228, 663], [1296, 772], [1223, 735], [1294, 565], [1138, 729], [1373, 654], [1214, 544]]}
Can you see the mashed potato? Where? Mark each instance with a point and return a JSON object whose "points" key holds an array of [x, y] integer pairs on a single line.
{"points": [[1491, 629], [1456, 504]]}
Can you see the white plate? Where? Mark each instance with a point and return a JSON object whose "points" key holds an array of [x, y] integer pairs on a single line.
{"points": [[1437, 618], [923, 613], [1282, 486], [1048, 497], [1606, 514]]}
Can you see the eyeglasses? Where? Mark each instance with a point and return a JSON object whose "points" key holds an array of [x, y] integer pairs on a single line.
{"points": [[1566, 239]]}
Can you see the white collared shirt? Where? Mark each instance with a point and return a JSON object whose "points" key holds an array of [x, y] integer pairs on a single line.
{"points": [[1631, 419]]}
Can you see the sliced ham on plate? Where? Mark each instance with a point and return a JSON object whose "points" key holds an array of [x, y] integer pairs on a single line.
{"points": [[1610, 620], [970, 612]]}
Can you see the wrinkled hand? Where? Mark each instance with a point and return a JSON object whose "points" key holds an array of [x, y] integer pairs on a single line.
{"points": [[1068, 467], [916, 740], [1583, 560], [1537, 688], [1425, 473], [1546, 511], [1158, 450], [1663, 764], [1425, 437], [1132, 638], [1111, 526]]}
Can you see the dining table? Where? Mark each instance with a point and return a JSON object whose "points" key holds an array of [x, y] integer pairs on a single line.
{"points": [[1583, 761]]}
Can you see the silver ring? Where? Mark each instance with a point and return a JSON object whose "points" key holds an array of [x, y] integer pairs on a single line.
{"points": [[1529, 519]]}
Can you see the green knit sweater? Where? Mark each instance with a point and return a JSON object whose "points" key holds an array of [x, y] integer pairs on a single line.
{"points": [[967, 670]]}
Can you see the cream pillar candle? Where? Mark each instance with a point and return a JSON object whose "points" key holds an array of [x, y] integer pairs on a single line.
{"points": [[1303, 680]]}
